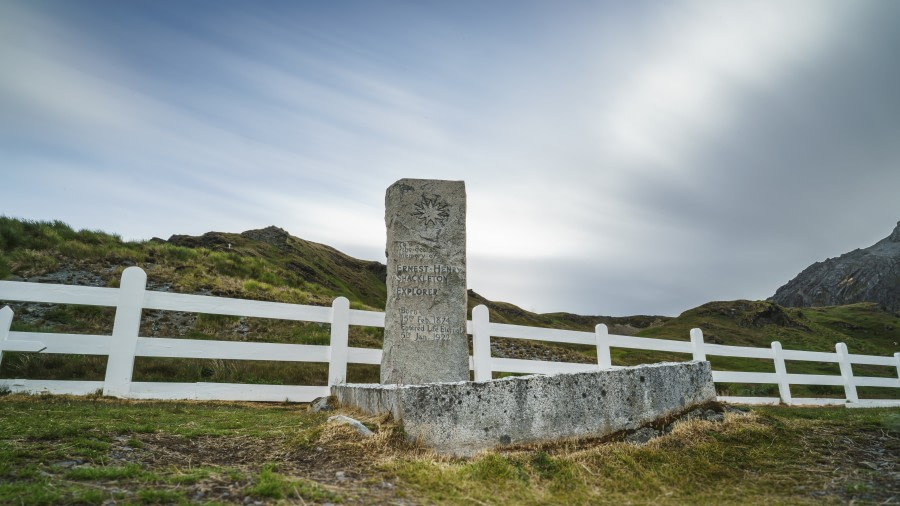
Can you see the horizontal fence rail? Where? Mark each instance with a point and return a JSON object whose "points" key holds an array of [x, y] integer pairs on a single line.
{"points": [[131, 298]]}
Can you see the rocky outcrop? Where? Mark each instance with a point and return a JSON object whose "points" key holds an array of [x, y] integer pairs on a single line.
{"points": [[272, 235], [863, 275]]}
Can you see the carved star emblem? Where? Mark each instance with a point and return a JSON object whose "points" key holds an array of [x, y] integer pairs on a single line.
{"points": [[432, 211]]}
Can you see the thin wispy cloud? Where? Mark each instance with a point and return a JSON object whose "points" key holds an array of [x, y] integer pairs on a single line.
{"points": [[620, 157]]}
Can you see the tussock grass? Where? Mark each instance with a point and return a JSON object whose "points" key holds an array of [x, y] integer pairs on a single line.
{"points": [[269, 484], [755, 459], [68, 450]]}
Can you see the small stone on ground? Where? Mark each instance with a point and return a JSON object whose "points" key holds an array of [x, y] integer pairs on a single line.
{"points": [[356, 424], [321, 404], [642, 435]]}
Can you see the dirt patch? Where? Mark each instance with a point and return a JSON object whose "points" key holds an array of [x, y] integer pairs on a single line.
{"points": [[531, 350], [863, 466], [339, 447], [240, 451], [333, 456]]}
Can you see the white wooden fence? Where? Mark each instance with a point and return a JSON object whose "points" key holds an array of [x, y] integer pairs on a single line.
{"points": [[132, 298]]}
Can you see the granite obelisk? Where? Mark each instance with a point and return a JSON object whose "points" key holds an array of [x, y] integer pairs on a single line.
{"points": [[425, 316]]}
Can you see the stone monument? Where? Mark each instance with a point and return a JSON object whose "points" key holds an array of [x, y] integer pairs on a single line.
{"points": [[425, 362], [425, 315]]}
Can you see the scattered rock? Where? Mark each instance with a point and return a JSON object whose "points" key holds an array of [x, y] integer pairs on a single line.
{"points": [[704, 414], [736, 410], [322, 404], [642, 435], [356, 424], [713, 416], [70, 275], [340, 475], [67, 464], [273, 235], [695, 414]]}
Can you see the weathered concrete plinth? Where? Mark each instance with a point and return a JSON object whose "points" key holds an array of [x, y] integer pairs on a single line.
{"points": [[462, 418]]}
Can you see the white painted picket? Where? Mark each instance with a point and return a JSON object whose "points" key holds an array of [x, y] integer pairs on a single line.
{"points": [[484, 330], [132, 298], [125, 344]]}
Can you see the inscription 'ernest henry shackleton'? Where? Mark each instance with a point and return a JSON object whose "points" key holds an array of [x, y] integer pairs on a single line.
{"points": [[425, 316]]}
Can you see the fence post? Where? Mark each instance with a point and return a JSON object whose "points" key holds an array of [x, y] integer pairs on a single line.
{"points": [[604, 359], [784, 387], [697, 344], [340, 330], [120, 364], [897, 359], [846, 372], [6, 316], [481, 342]]}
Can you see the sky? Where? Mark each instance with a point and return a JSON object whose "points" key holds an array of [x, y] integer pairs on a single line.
{"points": [[620, 157]]}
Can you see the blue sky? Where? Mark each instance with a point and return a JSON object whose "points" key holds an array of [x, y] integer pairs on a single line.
{"points": [[619, 157]]}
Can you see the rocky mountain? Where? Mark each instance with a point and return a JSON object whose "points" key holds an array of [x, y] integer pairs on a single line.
{"points": [[863, 275]]}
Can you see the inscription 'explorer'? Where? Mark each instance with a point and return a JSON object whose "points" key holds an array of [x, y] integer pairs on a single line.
{"points": [[430, 292]]}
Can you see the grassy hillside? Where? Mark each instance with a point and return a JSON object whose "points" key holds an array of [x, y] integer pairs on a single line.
{"points": [[269, 264], [866, 328], [266, 264]]}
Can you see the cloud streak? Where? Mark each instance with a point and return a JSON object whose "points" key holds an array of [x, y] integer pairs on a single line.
{"points": [[620, 158]]}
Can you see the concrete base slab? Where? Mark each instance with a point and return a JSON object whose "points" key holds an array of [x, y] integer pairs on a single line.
{"points": [[465, 417]]}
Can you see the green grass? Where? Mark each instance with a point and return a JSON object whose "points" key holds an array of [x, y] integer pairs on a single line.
{"points": [[156, 496], [63, 450], [268, 484], [762, 459], [42, 436], [104, 473]]}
